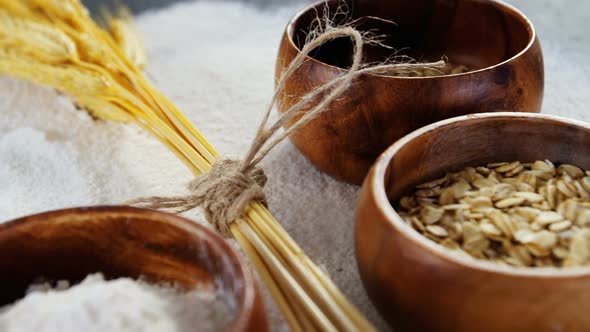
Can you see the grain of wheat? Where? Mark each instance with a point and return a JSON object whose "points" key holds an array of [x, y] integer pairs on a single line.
{"points": [[43, 42]]}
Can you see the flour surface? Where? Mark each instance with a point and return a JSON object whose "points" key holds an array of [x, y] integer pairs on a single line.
{"points": [[97, 305], [215, 60]]}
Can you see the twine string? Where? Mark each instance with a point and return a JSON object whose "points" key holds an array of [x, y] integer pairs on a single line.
{"points": [[224, 192]]}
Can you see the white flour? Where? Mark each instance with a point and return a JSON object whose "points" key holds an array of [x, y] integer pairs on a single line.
{"points": [[96, 305], [215, 60]]}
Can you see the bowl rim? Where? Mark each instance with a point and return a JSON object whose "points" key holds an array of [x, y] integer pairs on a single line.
{"points": [[248, 292], [290, 29], [376, 181]]}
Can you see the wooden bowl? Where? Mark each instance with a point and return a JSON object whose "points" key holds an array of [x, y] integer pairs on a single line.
{"points": [[492, 38], [418, 285], [126, 242]]}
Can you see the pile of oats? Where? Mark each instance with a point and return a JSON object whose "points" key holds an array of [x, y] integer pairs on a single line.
{"points": [[510, 213]]}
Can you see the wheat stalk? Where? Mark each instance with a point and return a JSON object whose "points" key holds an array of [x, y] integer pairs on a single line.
{"points": [[122, 28]]}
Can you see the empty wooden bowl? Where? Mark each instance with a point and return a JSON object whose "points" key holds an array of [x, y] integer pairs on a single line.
{"points": [[126, 242], [495, 40], [418, 285]]}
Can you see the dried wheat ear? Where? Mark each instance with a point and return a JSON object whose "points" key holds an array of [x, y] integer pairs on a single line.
{"points": [[511, 213]]}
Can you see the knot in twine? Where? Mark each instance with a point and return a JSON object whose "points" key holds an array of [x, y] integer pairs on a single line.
{"points": [[225, 191]]}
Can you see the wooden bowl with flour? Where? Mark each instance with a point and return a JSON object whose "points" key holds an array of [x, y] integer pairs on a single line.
{"points": [[127, 242], [494, 40]]}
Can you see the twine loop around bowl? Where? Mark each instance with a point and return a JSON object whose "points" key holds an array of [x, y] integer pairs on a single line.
{"points": [[225, 191]]}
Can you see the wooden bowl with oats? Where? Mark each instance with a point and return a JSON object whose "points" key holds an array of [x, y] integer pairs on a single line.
{"points": [[495, 41], [419, 285], [127, 242]]}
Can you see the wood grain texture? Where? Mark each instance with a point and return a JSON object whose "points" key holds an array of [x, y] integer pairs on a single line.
{"points": [[126, 242], [495, 40], [415, 284]]}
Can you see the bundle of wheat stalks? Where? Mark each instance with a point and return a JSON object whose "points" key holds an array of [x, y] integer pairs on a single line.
{"points": [[56, 43]]}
